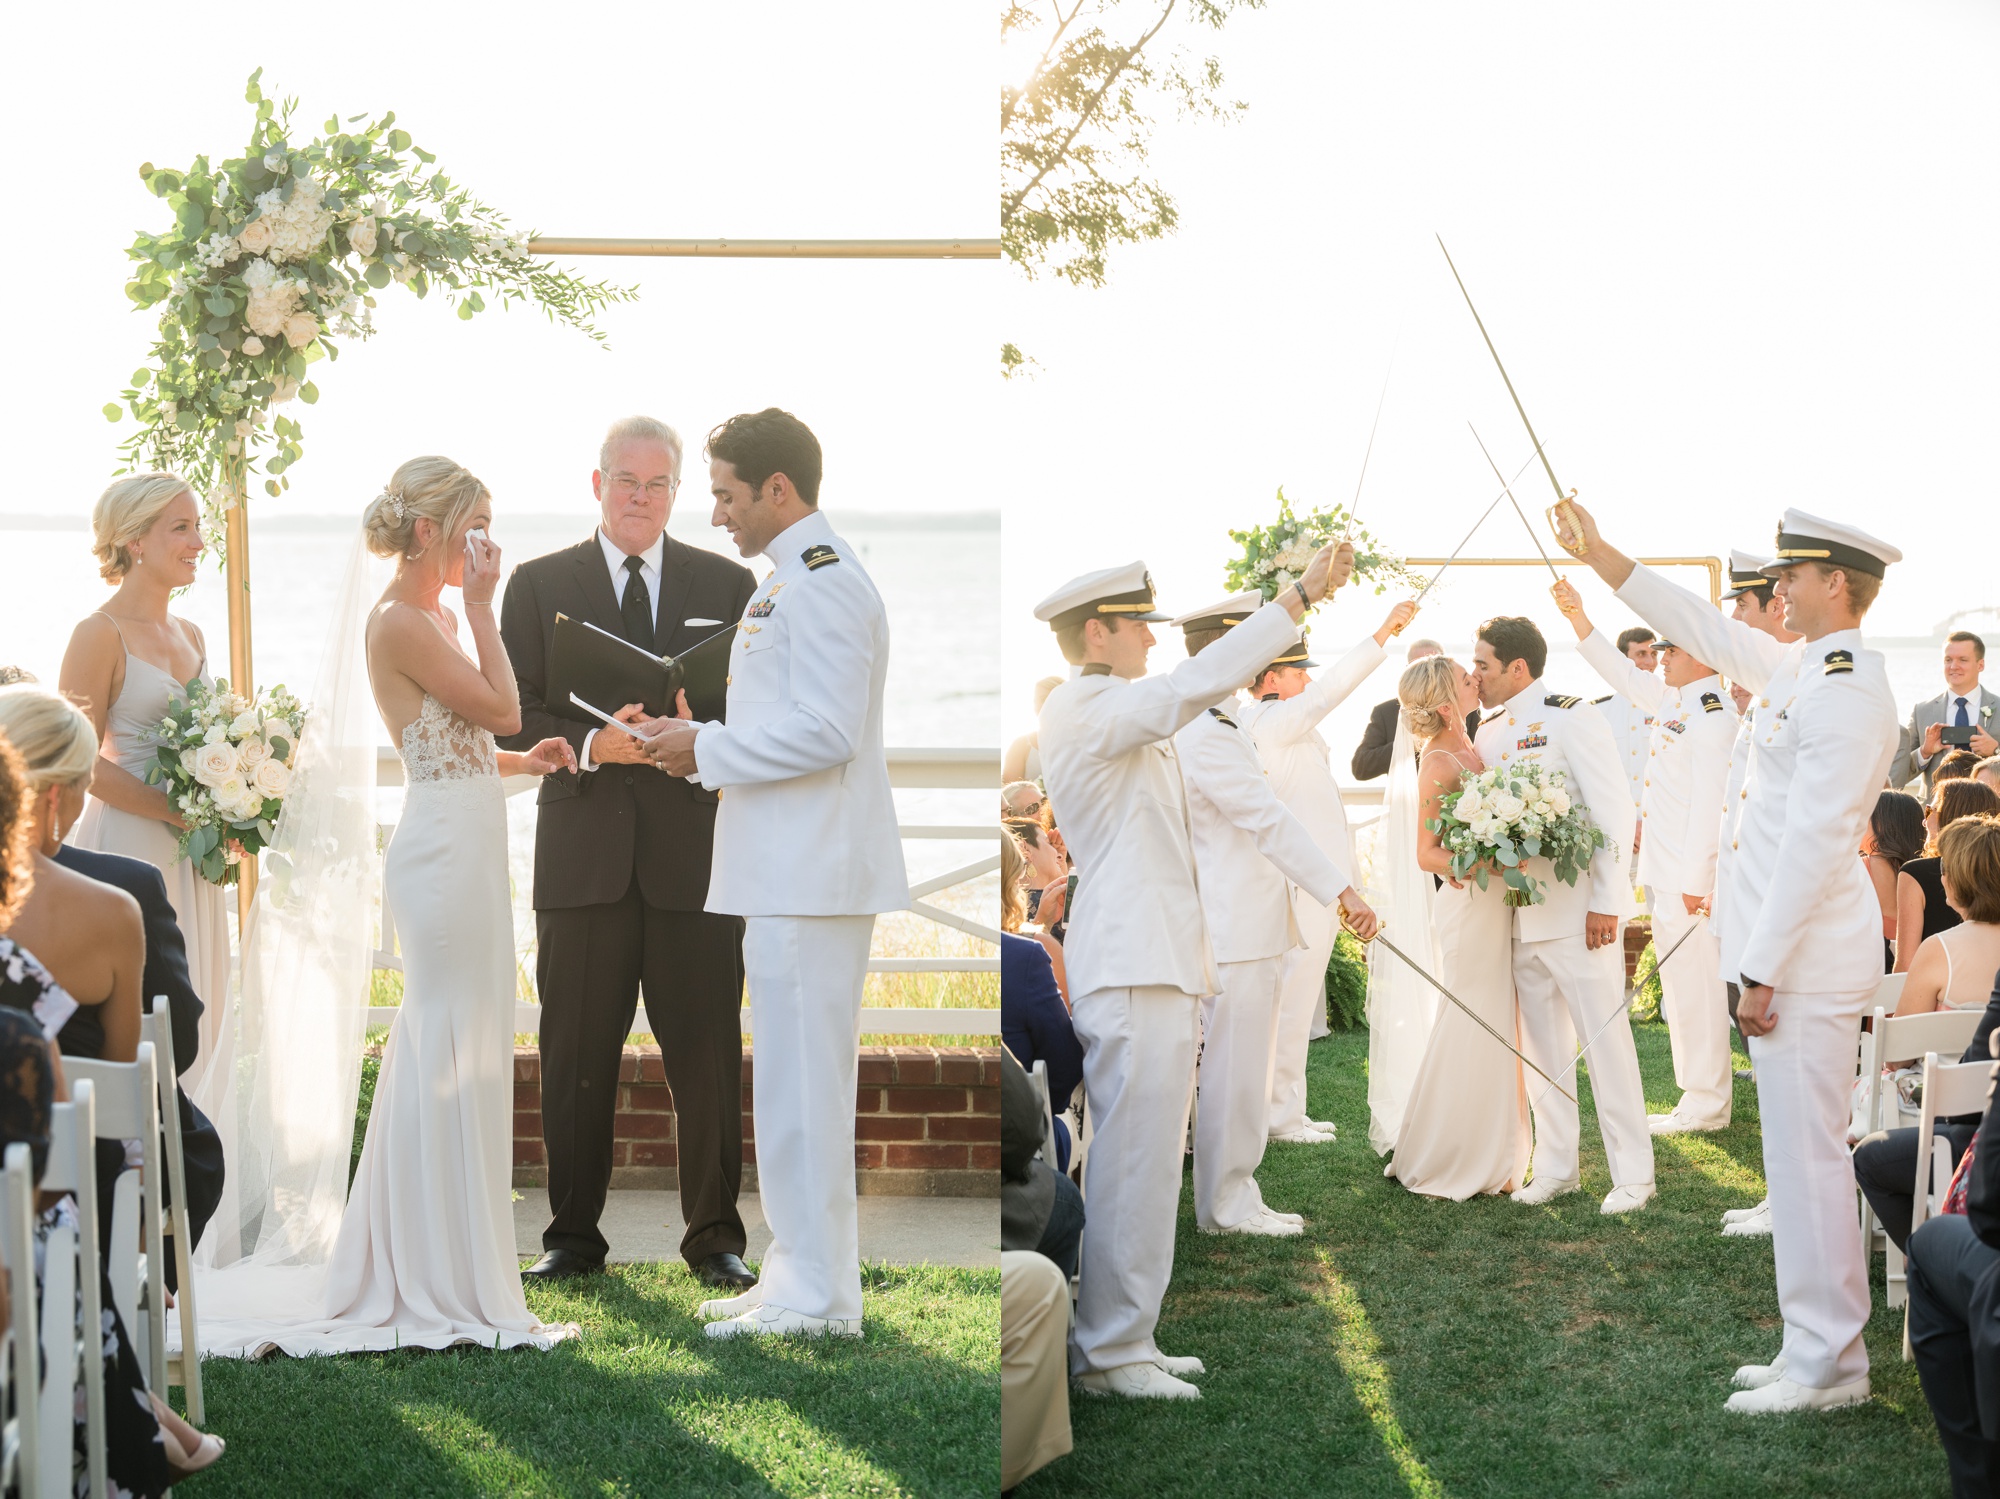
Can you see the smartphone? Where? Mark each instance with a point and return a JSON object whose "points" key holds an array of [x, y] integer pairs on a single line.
{"points": [[1957, 735]]}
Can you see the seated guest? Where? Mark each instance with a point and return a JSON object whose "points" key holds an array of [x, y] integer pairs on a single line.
{"points": [[1044, 872], [1035, 1022], [1023, 760], [1885, 1163], [1896, 835], [1040, 1208], [1988, 771], [1952, 1284], [1921, 909], [1021, 799], [1954, 970], [147, 1446], [1034, 1365], [90, 937], [1955, 766]]}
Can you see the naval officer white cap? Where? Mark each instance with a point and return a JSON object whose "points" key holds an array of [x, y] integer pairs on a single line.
{"points": [[1746, 571], [1810, 538], [1224, 614], [1113, 593]]}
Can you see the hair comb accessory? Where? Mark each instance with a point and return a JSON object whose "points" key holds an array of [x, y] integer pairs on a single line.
{"points": [[395, 502]]}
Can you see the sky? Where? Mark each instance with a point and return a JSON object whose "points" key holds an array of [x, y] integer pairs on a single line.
{"points": [[675, 119], [1737, 257]]}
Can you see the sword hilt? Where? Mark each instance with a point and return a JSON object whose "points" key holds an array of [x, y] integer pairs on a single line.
{"points": [[1562, 514]]}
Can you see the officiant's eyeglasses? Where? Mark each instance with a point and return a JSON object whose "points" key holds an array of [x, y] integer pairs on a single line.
{"points": [[624, 486]]}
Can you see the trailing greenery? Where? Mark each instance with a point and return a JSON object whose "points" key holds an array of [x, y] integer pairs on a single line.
{"points": [[275, 255], [642, 1404], [1273, 557], [371, 1069], [1347, 984], [1405, 1346]]}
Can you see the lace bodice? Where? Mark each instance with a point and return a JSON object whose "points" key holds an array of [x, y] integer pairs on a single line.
{"points": [[441, 746]]}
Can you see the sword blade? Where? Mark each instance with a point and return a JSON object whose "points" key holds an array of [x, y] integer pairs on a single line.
{"points": [[1470, 534], [1560, 492], [1508, 490], [1426, 975], [1355, 503], [1620, 1010]]}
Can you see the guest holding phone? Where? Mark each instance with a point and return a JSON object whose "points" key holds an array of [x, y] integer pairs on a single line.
{"points": [[1960, 717]]}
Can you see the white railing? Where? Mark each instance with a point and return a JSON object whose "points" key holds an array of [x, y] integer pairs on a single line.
{"points": [[914, 769]]}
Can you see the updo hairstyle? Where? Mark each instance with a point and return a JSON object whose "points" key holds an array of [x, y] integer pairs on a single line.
{"points": [[1425, 688], [17, 868], [53, 737], [430, 488], [125, 512]]}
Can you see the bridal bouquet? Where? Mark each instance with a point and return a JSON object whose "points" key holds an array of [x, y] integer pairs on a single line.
{"points": [[1499, 817], [226, 764], [1275, 556]]}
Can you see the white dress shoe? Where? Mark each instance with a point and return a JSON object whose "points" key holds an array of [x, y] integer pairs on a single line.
{"points": [[1756, 1376], [1737, 1215], [1180, 1368], [1545, 1188], [1756, 1226], [1781, 1395], [1265, 1224], [1288, 1217], [1137, 1382], [1676, 1124], [1627, 1199], [731, 1306], [1304, 1137], [780, 1322]]}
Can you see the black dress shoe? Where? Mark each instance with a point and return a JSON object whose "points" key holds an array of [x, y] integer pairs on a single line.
{"points": [[562, 1264], [725, 1270]]}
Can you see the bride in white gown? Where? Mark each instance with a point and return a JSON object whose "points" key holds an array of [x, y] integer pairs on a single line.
{"points": [[1465, 1128], [422, 1254]]}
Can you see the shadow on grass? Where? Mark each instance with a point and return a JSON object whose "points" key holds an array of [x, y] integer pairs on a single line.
{"points": [[643, 1404], [1408, 1346]]}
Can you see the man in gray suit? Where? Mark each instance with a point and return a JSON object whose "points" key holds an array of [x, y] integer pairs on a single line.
{"points": [[1963, 707]]}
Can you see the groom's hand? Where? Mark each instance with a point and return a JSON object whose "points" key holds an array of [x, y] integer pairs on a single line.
{"points": [[1754, 1016], [672, 747], [1599, 931]]}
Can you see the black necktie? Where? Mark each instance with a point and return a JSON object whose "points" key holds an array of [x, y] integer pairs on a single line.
{"points": [[637, 610]]}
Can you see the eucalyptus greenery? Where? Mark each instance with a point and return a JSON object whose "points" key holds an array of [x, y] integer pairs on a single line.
{"points": [[274, 257]]}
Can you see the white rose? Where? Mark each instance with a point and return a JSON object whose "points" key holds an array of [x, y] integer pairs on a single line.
{"points": [[236, 801], [216, 734], [301, 328], [1507, 807], [255, 236], [1469, 805], [361, 237], [215, 764], [246, 725], [252, 753], [1559, 802], [187, 760], [253, 346], [272, 778]]}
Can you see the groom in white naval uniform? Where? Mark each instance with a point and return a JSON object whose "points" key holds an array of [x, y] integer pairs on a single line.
{"points": [[806, 851], [1680, 814], [1568, 965], [1138, 952], [1284, 721], [1249, 853], [1807, 933]]}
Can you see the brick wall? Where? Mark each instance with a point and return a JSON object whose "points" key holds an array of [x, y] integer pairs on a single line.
{"points": [[1638, 932], [926, 1122]]}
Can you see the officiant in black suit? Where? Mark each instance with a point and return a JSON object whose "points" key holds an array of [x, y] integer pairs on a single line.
{"points": [[621, 874]]}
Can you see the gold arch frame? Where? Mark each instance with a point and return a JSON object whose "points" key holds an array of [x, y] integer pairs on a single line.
{"points": [[1713, 564]]}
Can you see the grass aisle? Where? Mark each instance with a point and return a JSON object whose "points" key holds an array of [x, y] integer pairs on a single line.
{"points": [[644, 1404], [1412, 1347]]}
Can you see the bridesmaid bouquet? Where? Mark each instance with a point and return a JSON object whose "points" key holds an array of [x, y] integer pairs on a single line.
{"points": [[1275, 556], [1499, 817], [226, 763]]}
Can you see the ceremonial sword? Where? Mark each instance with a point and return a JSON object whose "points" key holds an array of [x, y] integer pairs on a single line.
{"points": [[1425, 974], [1508, 490], [1621, 1009], [1348, 529], [1562, 499]]}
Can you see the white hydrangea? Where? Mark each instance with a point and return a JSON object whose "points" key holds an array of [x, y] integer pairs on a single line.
{"points": [[216, 251], [273, 298], [300, 224]]}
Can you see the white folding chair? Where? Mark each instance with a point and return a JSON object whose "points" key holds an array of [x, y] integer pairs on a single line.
{"points": [[184, 1366], [1039, 1076], [128, 1108], [71, 1267], [20, 1371], [1949, 1088], [1893, 1038]]}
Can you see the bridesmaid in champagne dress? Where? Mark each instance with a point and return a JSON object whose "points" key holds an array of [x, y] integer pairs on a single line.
{"points": [[1465, 1130], [125, 665]]}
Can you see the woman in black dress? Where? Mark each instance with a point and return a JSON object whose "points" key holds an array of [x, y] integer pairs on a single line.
{"points": [[1896, 835], [1921, 909]]}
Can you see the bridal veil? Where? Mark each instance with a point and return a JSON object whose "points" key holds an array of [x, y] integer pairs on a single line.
{"points": [[1401, 1006]]}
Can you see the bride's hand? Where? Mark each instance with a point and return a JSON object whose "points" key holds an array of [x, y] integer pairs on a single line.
{"points": [[482, 570], [551, 755]]}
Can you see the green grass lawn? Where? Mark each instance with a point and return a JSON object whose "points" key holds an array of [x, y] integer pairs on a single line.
{"points": [[1405, 1346], [643, 1404]]}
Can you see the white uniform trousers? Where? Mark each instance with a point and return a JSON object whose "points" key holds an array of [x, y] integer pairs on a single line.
{"points": [[1804, 1069], [1568, 993], [1238, 1028], [1138, 1078], [1697, 1014], [1301, 1003], [805, 975]]}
